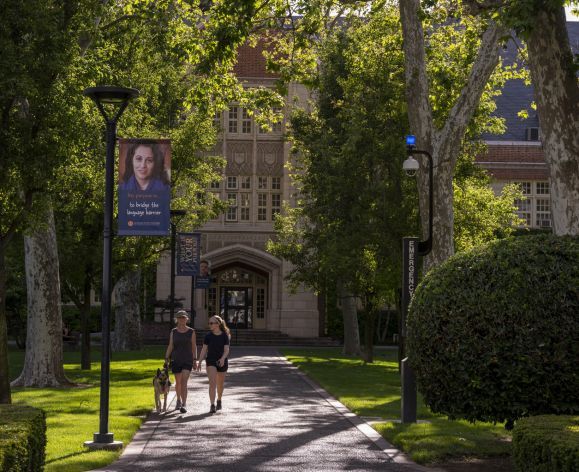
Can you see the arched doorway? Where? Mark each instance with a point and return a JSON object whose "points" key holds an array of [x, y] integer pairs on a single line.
{"points": [[239, 295]]}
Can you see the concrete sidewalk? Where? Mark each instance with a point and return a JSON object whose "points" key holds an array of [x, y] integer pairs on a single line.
{"points": [[273, 419]]}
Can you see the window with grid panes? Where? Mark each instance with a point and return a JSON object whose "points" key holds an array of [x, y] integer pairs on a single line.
{"points": [[276, 183], [262, 183], [262, 207], [216, 184], [233, 116], [245, 207], [231, 183], [231, 214], [536, 208], [245, 182], [212, 301], [273, 127], [275, 205], [542, 188], [260, 303], [543, 212], [245, 121]]}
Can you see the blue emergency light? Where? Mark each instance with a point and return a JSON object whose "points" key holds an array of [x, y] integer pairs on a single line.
{"points": [[410, 140]]}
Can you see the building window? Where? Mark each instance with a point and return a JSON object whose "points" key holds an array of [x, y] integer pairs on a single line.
{"points": [[535, 209], [262, 207], [232, 183], [216, 184], [542, 188], [244, 214], [275, 205], [260, 304], [276, 183], [232, 210], [245, 121], [245, 182], [273, 127], [262, 183], [212, 301], [233, 117], [217, 120], [543, 212]]}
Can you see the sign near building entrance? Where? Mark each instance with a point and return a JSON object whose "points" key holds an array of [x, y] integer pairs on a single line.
{"points": [[188, 253], [144, 187]]}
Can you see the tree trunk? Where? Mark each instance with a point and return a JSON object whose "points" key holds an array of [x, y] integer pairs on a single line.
{"points": [[5, 394], [443, 144], [351, 330], [369, 334], [43, 359], [84, 324], [127, 334], [557, 93]]}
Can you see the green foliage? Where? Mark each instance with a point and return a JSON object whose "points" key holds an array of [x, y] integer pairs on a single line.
{"points": [[480, 216], [494, 332], [22, 438], [351, 211], [546, 443]]}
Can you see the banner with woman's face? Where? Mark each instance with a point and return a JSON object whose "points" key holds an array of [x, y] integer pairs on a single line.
{"points": [[144, 187]]}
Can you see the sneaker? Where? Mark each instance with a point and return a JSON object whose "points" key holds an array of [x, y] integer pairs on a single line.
{"points": [[178, 406], [212, 410], [218, 407], [183, 409]]}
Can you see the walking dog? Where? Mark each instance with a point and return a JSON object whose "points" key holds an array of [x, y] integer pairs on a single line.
{"points": [[162, 385]]}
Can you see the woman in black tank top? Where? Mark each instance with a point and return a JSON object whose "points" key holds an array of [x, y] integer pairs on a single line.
{"points": [[182, 351], [216, 349]]}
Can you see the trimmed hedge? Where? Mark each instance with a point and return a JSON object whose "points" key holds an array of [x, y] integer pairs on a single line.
{"points": [[22, 438], [546, 443], [493, 333]]}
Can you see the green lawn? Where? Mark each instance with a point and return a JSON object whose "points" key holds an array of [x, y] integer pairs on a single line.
{"points": [[73, 413], [373, 390]]}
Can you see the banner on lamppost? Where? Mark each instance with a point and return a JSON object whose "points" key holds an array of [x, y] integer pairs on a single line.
{"points": [[203, 279], [144, 187], [188, 253]]}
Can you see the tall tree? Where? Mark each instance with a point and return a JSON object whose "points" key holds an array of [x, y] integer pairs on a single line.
{"points": [[441, 134], [37, 39], [553, 69]]}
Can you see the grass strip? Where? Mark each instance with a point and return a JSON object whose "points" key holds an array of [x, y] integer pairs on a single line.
{"points": [[72, 414], [373, 391]]}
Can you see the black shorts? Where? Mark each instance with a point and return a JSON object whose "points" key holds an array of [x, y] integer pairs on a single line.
{"points": [[212, 363], [177, 367]]}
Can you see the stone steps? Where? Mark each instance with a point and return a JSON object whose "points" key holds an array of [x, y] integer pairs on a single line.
{"points": [[158, 333]]}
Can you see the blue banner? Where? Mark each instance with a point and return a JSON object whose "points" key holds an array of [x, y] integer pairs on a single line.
{"points": [[144, 187], [188, 253]]}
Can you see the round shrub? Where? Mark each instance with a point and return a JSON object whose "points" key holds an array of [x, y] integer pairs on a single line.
{"points": [[546, 443], [493, 333]]}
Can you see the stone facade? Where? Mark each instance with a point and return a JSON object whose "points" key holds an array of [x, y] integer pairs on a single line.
{"points": [[248, 287]]}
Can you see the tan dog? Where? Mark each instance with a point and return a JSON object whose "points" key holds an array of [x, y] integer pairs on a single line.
{"points": [[162, 385]]}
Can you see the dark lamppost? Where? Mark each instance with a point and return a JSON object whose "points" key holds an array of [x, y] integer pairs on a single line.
{"points": [[412, 248], [175, 214], [116, 99]]}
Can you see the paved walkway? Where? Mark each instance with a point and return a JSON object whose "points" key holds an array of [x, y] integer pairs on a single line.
{"points": [[273, 419]]}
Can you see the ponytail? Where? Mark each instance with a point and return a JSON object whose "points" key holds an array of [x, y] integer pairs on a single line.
{"points": [[222, 325]]}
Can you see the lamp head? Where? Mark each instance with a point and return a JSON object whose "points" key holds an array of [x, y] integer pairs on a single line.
{"points": [[107, 94], [410, 166], [410, 141]]}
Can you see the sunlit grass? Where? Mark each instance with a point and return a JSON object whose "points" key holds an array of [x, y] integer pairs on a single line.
{"points": [[373, 390], [73, 413]]}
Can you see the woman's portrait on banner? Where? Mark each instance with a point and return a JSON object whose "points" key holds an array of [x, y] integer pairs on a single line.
{"points": [[144, 165]]}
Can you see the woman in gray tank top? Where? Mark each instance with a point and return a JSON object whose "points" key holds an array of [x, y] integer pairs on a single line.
{"points": [[182, 351]]}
